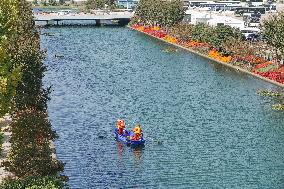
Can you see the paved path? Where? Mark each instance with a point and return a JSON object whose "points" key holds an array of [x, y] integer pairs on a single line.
{"points": [[4, 125]]}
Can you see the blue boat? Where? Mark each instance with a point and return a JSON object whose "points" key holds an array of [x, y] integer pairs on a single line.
{"points": [[125, 138]]}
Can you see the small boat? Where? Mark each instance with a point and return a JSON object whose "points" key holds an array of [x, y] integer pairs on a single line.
{"points": [[125, 138]]}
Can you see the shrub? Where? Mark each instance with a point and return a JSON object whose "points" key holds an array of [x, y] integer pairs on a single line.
{"points": [[30, 153], [49, 182]]}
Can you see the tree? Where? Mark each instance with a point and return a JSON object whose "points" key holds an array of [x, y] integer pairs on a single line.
{"points": [[202, 32], [221, 34], [174, 12], [159, 12], [61, 2], [10, 74], [30, 154], [21, 88], [273, 30], [52, 2]]}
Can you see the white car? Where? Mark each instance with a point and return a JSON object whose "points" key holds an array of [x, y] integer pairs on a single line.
{"points": [[64, 12], [247, 31]]}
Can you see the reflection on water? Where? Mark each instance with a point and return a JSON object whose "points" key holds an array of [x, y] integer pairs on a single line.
{"points": [[137, 152], [205, 126], [119, 150]]}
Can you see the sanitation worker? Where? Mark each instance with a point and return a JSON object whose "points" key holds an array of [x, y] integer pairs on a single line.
{"points": [[137, 132], [120, 125]]}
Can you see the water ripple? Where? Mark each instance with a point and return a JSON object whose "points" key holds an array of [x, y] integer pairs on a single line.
{"points": [[204, 124]]}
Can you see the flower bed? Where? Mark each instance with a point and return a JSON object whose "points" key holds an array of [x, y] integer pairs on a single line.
{"points": [[217, 56]]}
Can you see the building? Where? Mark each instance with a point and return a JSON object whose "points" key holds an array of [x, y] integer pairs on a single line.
{"points": [[128, 4], [194, 17]]}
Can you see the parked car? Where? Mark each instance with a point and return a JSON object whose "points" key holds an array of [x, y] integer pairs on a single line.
{"points": [[253, 37], [247, 31], [64, 12]]}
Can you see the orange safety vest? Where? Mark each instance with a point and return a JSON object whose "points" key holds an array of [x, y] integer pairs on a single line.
{"points": [[137, 130], [120, 124]]}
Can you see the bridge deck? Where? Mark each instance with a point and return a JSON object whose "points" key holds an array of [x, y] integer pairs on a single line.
{"points": [[57, 17]]}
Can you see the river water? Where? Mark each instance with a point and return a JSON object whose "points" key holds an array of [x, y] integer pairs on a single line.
{"points": [[204, 124]]}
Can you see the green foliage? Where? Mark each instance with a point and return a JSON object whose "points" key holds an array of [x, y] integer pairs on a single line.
{"points": [[35, 2], [223, 38], [44, 3], [279, 107], [52, 3], [202, 32], [30, 153], [270, 93], [220, 34], [9, 73], [24, 51], [49, 182], [182, 31], [273, 30], [238, 47], [159, 12], [21, 88]]}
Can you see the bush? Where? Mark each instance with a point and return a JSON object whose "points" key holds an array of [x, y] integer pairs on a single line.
{"points": [[50, 182]]}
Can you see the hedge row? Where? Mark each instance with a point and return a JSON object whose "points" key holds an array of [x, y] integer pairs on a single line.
{"points": [[23, 96]]}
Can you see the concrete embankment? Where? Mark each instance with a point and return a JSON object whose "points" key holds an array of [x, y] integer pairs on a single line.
{"points": [[225, 64]]}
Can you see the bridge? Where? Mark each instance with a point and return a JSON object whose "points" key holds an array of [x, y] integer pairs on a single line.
{"points": [[122, 18]]}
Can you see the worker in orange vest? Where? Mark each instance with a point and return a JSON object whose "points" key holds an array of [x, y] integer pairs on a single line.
{"points": [[120, 125], [137, 132]]}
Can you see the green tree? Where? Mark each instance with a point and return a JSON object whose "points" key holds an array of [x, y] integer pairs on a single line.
{"points": [[21, 62], [174, 12], [273, 30], [61, 2], [35, 2], [220, 34], [52, 2], [30, 153], [48, 182], [202, 32], [10, 73], [159, 12]]}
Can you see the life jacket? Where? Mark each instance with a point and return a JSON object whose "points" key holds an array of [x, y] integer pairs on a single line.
{"points": [[120, 124], [137, 130], [135, 137]]}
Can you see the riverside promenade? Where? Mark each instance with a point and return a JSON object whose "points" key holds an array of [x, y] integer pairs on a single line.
{"points": [[122, 18]]}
